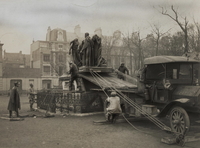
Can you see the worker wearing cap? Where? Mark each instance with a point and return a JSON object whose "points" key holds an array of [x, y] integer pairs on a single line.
{"points": [[31, 96], [74, 74], [123, 70], [114, 104], [14, 102]]}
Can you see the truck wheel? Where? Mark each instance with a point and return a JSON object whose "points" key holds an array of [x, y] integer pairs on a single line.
{"points": [[179, 120]]}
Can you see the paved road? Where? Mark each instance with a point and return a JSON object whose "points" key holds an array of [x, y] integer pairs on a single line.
{"points": [[76, 132]]}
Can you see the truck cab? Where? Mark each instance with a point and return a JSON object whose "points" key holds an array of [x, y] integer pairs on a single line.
{"points": [[171, 83]]}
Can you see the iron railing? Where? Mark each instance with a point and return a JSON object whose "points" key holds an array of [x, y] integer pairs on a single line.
{"points": [[75, 102]]}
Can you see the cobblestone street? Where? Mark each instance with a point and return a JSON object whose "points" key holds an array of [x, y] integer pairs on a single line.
{"points": [[76, 132]]}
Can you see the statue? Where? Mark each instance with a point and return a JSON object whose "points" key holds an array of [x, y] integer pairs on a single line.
{"points": [[96, 52], [74, 51], [87, 50]]}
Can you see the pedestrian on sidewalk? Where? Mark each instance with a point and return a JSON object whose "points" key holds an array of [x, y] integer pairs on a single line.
{"points": [[14, 102], [31, 96]]}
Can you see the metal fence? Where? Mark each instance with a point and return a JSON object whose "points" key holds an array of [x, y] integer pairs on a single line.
{"points": [[76, 102]]}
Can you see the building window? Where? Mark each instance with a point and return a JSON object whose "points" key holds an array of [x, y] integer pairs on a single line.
{"points": [[60, 70], [46, 68], [31, 81], [60, 47], [46, 84], [60, 36], [43, 45], [60, 58], [46, 58]]}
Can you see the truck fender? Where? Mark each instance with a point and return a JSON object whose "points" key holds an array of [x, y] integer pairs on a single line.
{"points": [[165, 110]]}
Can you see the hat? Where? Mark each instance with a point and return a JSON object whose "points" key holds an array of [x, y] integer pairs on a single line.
{"points": [[97, 29], [15, 82], [86, 34], [31, 84], [70, 62], [113, 93]]}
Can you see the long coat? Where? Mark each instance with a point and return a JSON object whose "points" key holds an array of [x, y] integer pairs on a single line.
{"points": [[96, 52], [87, 50], [76, 57], [14, 102]]}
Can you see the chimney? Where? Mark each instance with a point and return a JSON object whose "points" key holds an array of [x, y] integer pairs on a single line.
{"points": [[48, 34], [1, 50], [77, 30]]}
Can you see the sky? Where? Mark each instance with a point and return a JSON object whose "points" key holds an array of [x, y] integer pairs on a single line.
{"points": [[22, 21]]}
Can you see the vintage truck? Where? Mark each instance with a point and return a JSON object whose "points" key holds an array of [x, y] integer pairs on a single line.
{"points": [[170, 84]]}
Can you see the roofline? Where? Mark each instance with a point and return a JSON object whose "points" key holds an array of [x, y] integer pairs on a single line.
{"points": [[168, 59]]}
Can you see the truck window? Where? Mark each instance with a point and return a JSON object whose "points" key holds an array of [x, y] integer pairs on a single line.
{"points": [[155, 72], [172, 70], [185, 71], [196, 70]]}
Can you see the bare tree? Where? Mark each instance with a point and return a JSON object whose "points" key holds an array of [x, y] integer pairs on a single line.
{"points": [[137, 41], [156, 30], [197, 25], [183, 26], [128, 44]]}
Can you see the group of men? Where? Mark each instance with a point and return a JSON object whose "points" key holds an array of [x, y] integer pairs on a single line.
{"points": [[14, 101], [88, 53]]}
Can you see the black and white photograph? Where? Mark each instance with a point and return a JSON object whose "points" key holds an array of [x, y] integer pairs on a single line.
{"points": [[99, 73]]}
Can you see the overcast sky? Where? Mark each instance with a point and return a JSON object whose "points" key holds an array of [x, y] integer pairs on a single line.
{"points": [[21, 21]]}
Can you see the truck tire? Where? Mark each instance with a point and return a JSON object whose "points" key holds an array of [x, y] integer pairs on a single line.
{"points": [[179, 120]]}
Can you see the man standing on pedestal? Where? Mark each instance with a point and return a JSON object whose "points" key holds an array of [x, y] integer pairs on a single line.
{"points": [[74, 75]]}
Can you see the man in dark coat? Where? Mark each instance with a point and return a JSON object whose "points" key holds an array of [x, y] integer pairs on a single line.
{"points": [[74, 50], [96, 52], [14, 102], [74, 75], [122, 69], [87, 50]]}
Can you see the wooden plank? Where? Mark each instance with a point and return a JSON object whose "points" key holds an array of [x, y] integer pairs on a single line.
{"points": [[192, 138], [169, 140], [12, 119], [95, 69], [172, 139], [101, 122], [111, 80]]}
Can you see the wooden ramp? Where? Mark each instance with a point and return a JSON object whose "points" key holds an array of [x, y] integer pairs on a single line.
{"points": [[84, 69]]}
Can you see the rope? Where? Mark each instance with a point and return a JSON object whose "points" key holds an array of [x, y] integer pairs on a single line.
{"points": [[150, 117], [132, 125], [108, 96], [129, 101]]}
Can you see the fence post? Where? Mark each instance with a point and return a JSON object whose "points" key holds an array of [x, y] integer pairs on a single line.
{"points": [[74, 102]]}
